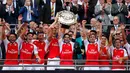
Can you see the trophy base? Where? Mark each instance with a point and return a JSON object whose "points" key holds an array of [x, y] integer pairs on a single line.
{"points": [[65, 26]]}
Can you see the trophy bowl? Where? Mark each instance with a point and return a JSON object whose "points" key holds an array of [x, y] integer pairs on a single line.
{"points": [[67, 18]]}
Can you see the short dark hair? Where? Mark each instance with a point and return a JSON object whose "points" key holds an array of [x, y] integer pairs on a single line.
{"points": [[40, 33], [65, 35], [12, 34], [94, 32], [116, 40], [30, 33], [71, 31]]}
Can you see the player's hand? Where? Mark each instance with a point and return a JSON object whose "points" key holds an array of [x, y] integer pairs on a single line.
{"points": [[112, 31], [38, 60], [20, 17], [122, 26], [84, 22], [120, 60]]}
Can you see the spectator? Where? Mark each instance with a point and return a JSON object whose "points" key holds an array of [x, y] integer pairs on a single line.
{"points": [[51, 10], [41, 11], [102, 11], [10, 12], [45, 30], [85, 12], [28, 13], [127, 3], [93, 23], [109, 4], [78, 7], [115, 25], [120, 10], [69, 6]]}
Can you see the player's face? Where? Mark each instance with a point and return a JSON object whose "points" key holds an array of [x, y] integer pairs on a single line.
{"points": [[122, 43], [109, 1], [92, 38], [71, 34], [41, 36], [66, 38], [117, 43], [85, 0], [12, 38], [53, 0], [103, 40], [117, 36], [29, 37]]}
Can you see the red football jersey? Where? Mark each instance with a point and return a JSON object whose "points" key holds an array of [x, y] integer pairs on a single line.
{"points": [[53, 49], [117, 53], [12, 54], [104, 56], [92, 54], [41, 51], [26, 53], [66, 54]]}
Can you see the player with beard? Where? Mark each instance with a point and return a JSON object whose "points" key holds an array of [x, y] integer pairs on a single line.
{"points": [[119, 55], [26, 52], [12, 45], [42, 48]]}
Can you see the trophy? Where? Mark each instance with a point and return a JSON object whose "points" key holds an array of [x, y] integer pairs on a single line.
{"points": [[67, 18]]}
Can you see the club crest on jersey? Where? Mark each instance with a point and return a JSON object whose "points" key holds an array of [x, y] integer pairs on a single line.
{"points": [[31, 46], [122, 51], [14, 44]]}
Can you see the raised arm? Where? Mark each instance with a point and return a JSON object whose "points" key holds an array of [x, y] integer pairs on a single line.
{"points": [[84, 29], [123, 33], [110, 37], [22, 30]]}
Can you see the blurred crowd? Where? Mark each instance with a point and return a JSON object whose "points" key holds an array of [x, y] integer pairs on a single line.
{"points": [[30, 33]]}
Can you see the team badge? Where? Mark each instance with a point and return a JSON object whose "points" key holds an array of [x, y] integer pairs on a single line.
{"points": [[31, 46]]}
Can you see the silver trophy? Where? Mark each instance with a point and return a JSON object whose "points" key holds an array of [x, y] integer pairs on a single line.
{"points": [[67, 18]]}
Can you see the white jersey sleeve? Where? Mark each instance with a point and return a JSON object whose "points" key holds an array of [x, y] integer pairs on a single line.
{"points": [[46, 45], [6, 41], [19, 41], [60, 45], [99, 43], [86, 44], [35, 49], [127, 46], [111, 48], [125, 53]]}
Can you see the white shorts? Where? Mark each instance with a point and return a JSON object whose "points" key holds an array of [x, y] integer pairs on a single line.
{"points": [[91, 68], [24, 68], [10, 68], [57, 63], [118, 69], [67, 68], [38, 68], [105, 68]]}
